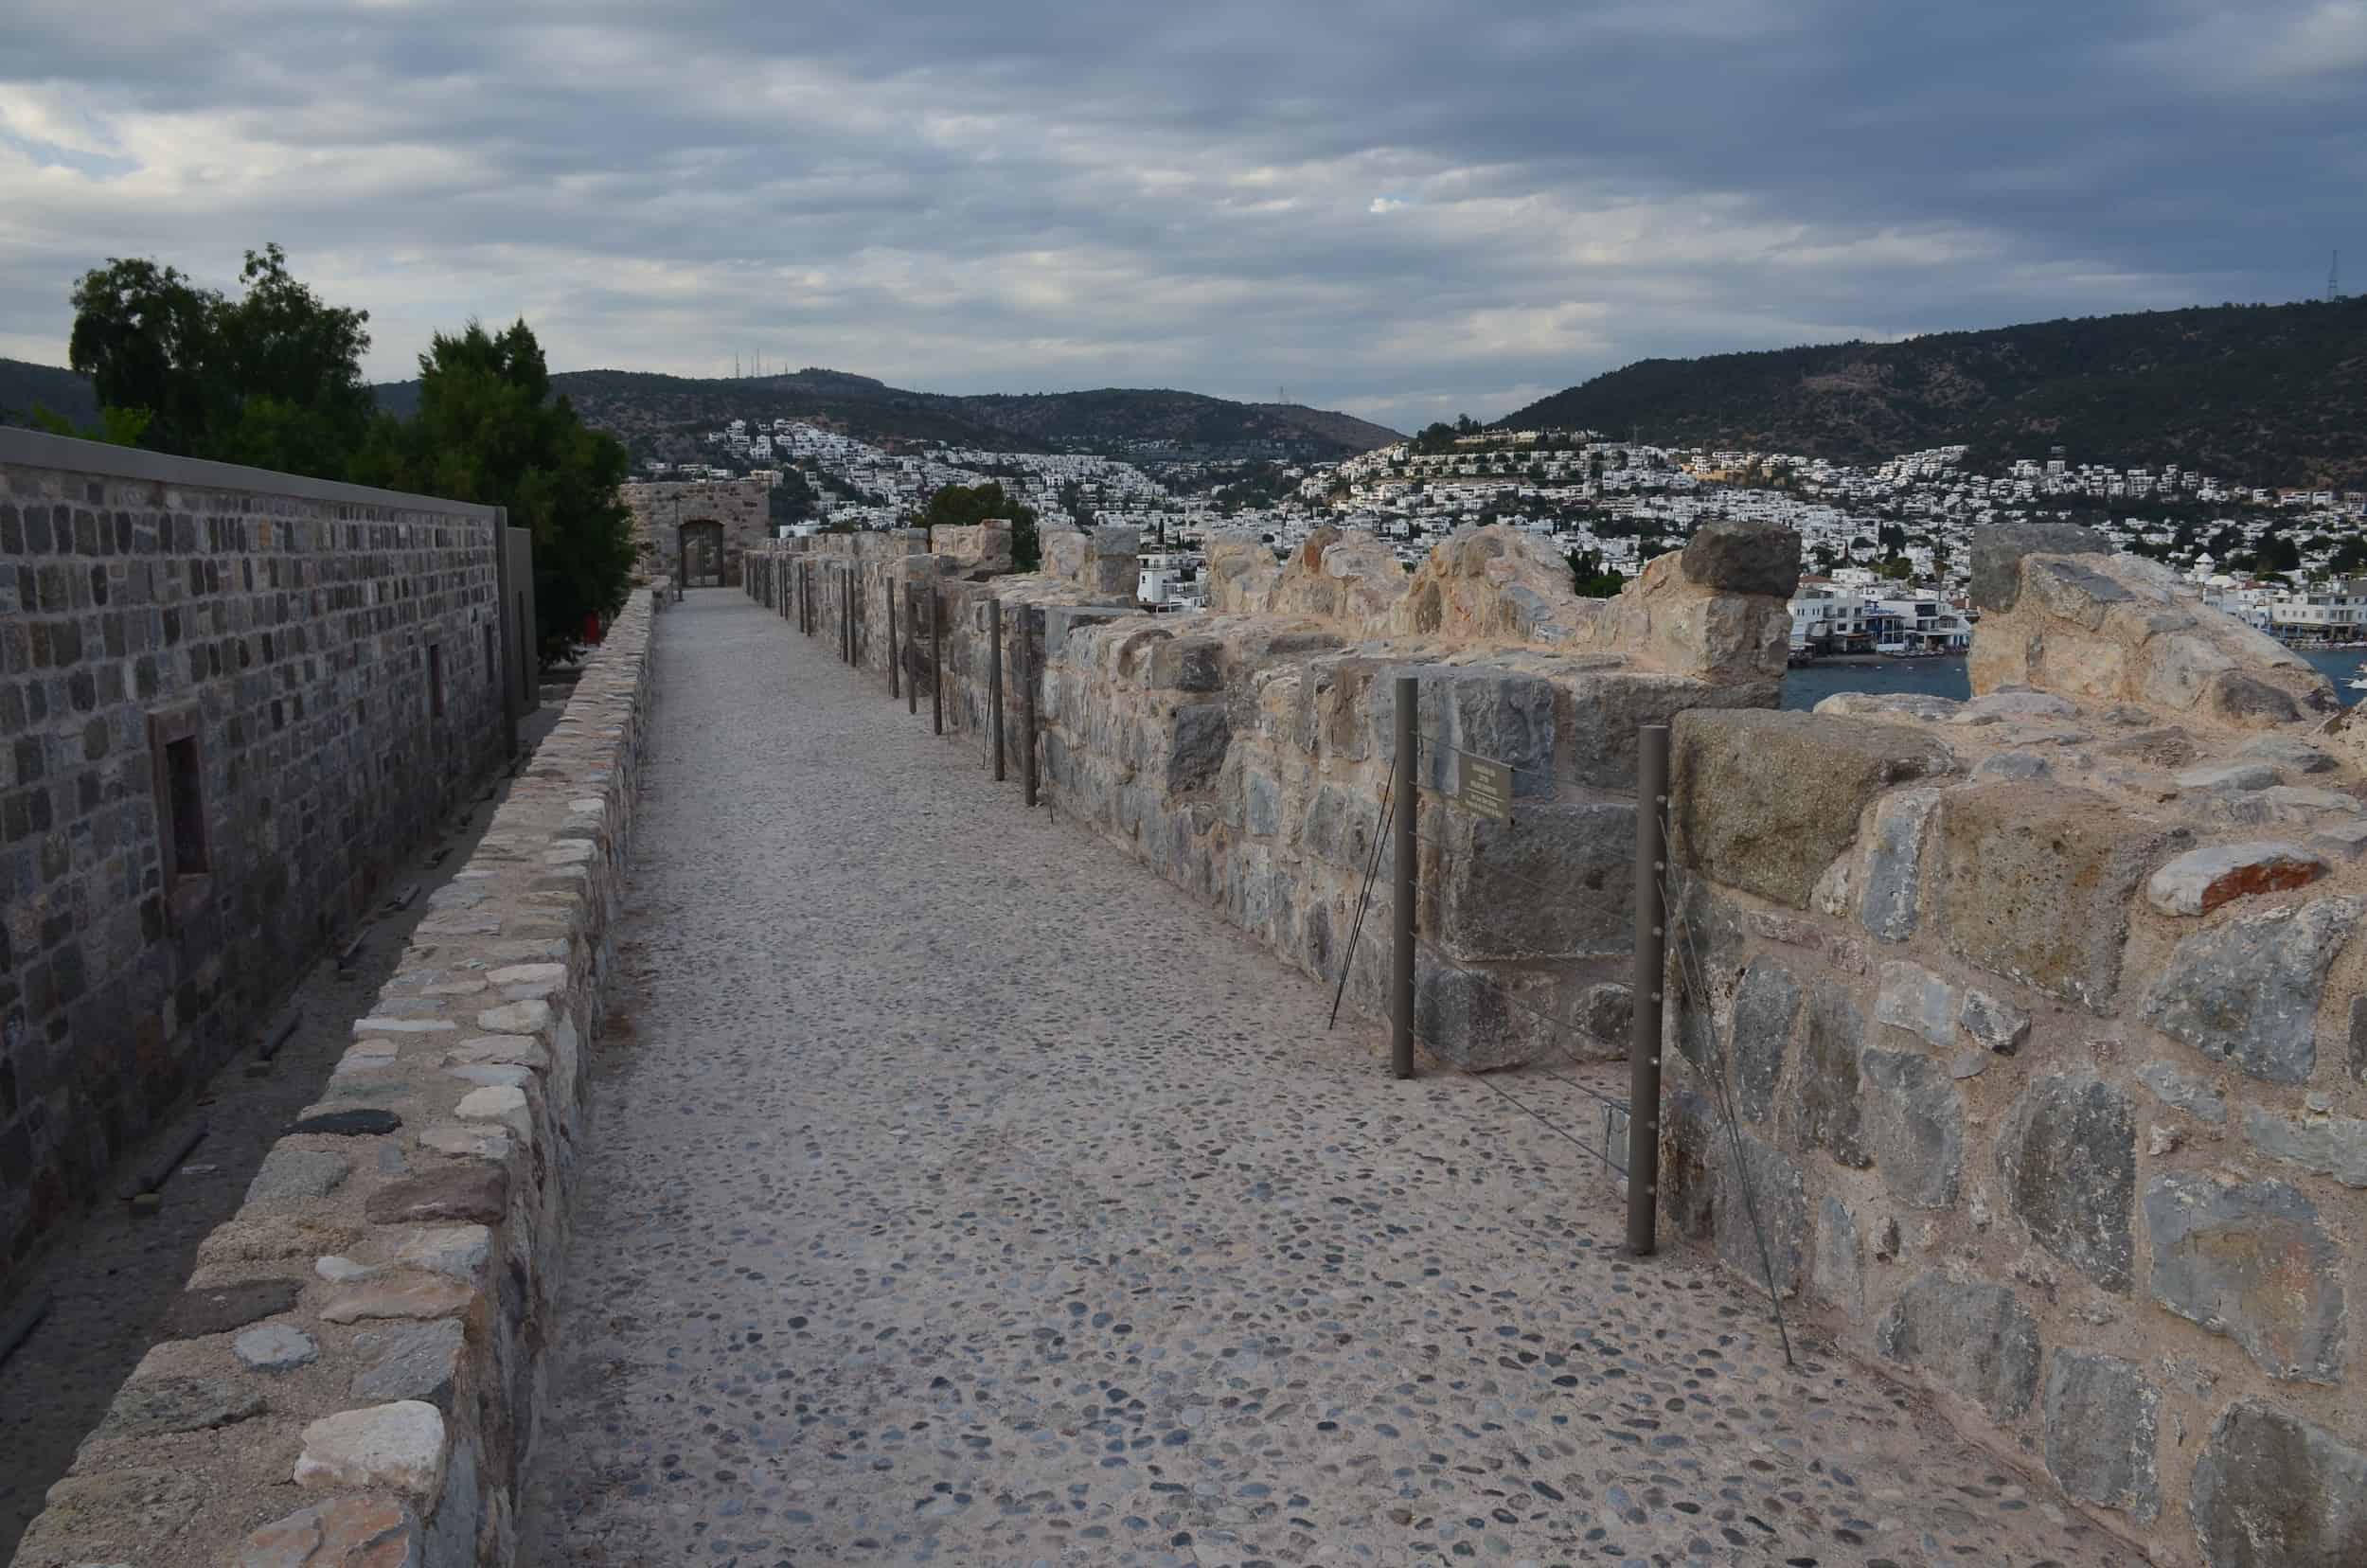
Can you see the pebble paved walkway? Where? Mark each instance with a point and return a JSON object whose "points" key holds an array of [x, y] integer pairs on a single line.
{"points": [[958, 1192]]}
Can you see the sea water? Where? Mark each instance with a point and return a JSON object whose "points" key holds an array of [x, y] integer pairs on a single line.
{"points": [[1809, 684]]}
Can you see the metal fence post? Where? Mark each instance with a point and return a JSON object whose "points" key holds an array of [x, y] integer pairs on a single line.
{"points": [[1649, 981], [994, 683], [1401, 960], [846, 614], [1027, 699], [912, 685], [888, 593], [936, 667]]}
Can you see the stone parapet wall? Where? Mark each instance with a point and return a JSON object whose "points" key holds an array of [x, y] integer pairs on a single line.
{"points": [[740, 511], [353, 1372], [327, 659], [2039, 1022]]}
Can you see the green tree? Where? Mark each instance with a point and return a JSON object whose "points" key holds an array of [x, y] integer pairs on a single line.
{"points": [[1591, 578], [271, 377], [967, 506], [489, 430]]}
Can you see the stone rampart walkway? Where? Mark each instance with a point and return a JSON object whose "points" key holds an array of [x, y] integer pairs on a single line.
{"points": [[958, 1192]]}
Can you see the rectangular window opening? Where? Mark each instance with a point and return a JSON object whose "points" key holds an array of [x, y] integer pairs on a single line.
{"points": [[184, 807], [492, 665], [435, 680]]}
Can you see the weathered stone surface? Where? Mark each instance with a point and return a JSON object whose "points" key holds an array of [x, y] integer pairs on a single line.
{"points": [[2034, 882], [218, 1309], [1997, 708], [2247, 992], [123, 1512], [151, 1407], [1994, 1025], [457, 1251], [2014, 765], [2103, 1419], [2228, 778], [1915, 1122], [1606, 1012], [1489, 907], [468, 1194], [1499, 713], [2249, 1261], [349, 1124], [420, 1296], [473, 1141], [1766, 1004], [503, 1103], [1826, 1099], [1744, 558], [1998, 550], [1889, 704], [1197, 748], [516, 1018], [1780, 1202], [2190, 1095], [2330, 1145], [415, 1362], [290, 1176], [344, 1532], [2067, 1162], [1764, 801], [398, 1447], [1911, 997], [276, 1348], [268, 1236], [2290, 753], [1893, 864], [2200, 881], [2274, 1491], [1974, 1339], [1838, 1269]]}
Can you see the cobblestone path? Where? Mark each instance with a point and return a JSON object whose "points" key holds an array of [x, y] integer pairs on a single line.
{"points": [[958, 1192]]}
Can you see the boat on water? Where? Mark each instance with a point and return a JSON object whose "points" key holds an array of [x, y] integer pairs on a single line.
{"points": [[2358, 679]]}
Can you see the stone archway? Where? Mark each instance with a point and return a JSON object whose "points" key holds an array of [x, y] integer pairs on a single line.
{"points": [[699, 553]]}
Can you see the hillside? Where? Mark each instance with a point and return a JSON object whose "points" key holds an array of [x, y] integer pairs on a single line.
{"points": [[1115, 419], [51, 386], [2265, 394]]}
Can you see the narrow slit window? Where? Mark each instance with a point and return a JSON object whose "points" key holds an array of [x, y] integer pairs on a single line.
{"points": [[492, 665], [435, 680]]}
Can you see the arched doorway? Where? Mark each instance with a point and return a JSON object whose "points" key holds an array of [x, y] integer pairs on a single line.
{"points": [[699, 553]]}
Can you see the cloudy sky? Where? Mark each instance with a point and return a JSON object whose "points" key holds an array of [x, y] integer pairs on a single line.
{"points": [[1401, 210]]}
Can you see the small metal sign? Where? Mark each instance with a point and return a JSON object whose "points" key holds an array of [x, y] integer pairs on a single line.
{"points": [[1484, 788]]}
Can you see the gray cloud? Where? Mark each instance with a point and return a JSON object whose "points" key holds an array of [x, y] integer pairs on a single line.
{"points": [[1404, 209]]}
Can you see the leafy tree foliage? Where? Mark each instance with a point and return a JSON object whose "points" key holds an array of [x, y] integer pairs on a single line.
{"points": [[489, 430], [967, 506], [1591, 578]]}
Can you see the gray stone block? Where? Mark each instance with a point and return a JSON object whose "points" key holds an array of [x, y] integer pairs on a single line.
{"points": [[1197, 743], [1975, 1340], [1743, 558], [1915, 1123], [2272, 1490], [2190, 1095], [1777, 1196], [1766, 1006], [2067, 1162], [2252, 1263], [2033, 882], [1498, 898], [1910, 997], [1995, 1025], [1836, 1271], [2103, 1420], [156, 1407], [1764, 801], [1826, 1100], [2200, 881], [2329, 1146], [290, 1176], [415, 1362], [1893, 864], [1998, 551], [2247, 992]]}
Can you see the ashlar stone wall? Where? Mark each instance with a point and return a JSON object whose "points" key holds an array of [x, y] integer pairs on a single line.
{"points": [[2040, 1020], [229, 700], [354, 1374], [739, 510]]}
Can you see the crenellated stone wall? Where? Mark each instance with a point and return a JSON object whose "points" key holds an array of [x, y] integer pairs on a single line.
{"points": [[2039, 1021], [354, 1370]]}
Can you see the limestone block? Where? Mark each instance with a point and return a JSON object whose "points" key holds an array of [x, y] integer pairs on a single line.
{"points": [[120, 1512], [2290, 753], [2033, 882], [1501, 714], [2247, 991], [1555, 881], [1497, 583], [1836, 1271], [1911, 997], [416, 1296], [2067, 1163], [1998, 551], [2227, 778], [1974, 1339], [411, 1360], [276, 1348], [1914, 1124], [2272, 1490], [1607, 707], [1665, 621], [1766, 1006], [1187, 664], [471, 1193], [2102, 1421], [1195, 743], [2250, 1260], [2200, 881], [398, 1447], [290, 1176], [1063, 551], [1113, 563], [1764, 801], [156, 1407], [1779, 1198], [1898, 706]]}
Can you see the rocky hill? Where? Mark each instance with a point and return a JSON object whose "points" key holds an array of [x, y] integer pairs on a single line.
{"points": [[2265, 394], [25, 388]]}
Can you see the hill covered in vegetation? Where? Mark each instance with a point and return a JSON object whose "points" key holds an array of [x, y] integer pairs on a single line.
{"points": [[2262, 394], [25, 388]]}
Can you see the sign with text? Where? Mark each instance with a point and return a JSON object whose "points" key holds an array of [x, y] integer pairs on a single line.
{"points": [[1484, 788]]}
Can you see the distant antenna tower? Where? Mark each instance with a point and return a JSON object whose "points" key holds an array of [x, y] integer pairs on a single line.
{"points": [[2334, 278], [735, 365]]}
